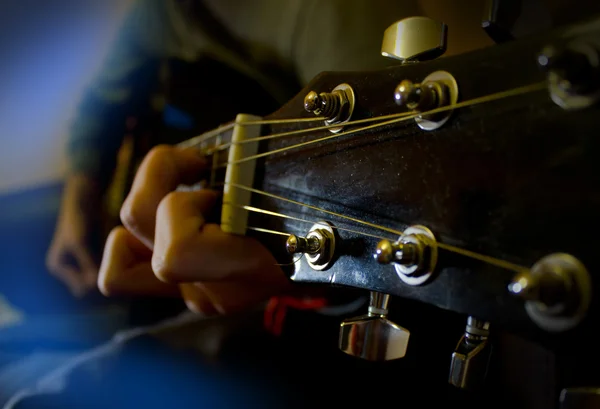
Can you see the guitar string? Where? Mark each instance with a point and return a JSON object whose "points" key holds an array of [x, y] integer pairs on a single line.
{"points": [[285, 216], [504, 94], [305, 131], [498, 262], [194, 141], [467, 253], [471, 102], [203, 137], [505, 264]]}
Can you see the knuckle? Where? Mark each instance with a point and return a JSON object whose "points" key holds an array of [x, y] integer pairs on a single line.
{"points": [[105, 286], [165, 261], [163, 270], [159, 154], [170, 202], [130, 214], [117, 237]]}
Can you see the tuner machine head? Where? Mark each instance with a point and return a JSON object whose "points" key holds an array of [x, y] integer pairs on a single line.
{"points": [[437, 90], [372, 336], [557, 292], [415, 39], [573, 72], [336, 106], [414, 255], [470, 359], [318, 246]]}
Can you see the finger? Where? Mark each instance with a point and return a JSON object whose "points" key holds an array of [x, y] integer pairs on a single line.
{"points": [[179, 218], [234, 296], [68, 274], [196, 299], [126, 268], [89, 268], [187, 250], [211, 255], [161, 171]]}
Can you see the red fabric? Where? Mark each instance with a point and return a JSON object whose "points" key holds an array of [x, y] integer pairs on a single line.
{"points": [[277, 307]]}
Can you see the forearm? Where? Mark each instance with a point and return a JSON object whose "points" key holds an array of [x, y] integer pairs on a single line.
{"points": [[82, 194]]}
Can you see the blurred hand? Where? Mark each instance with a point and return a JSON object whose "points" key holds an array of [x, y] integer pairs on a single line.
{"points": [[70, 257], [165, 246]]}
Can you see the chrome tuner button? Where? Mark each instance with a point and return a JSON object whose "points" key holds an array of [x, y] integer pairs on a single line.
{"points": [[318, 246], [372, 336], [573, 73], [556, 291], [336, 106], [414, 254], [415, 39], [470, 359]]}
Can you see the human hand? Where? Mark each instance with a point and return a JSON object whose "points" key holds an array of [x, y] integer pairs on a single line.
{"points": [[166, 247], [70, 257]]}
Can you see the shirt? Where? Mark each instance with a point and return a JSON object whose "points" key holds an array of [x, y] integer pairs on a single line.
{"points": [[281, 44]]}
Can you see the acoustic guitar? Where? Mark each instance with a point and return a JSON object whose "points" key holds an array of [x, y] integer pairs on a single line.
{"points": [[470, 183]]}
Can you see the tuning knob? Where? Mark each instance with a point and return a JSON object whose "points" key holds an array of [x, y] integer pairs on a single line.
{"points": [[415, 39], [336, 106], [470, 359], [414, 254], [438, 89], [556, 291], [573, 73], [421, 97], [318, 246], [373, 337]]}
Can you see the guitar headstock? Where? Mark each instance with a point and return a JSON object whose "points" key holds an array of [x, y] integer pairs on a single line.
{"points": [[469, 183]]}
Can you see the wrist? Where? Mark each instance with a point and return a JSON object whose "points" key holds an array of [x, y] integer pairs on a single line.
{"points": [[82, 192]]}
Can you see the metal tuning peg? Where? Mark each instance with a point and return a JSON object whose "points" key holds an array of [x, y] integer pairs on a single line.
{"points": [[415, 39], [471, 357], [373, 337], [556, 291], [318, 246], [573, 72], [336, 106], [414, 254], [439, 89]]}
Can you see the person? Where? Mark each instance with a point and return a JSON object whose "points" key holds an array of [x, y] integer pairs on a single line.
{"points": [[278, 45], [165, 247]]}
